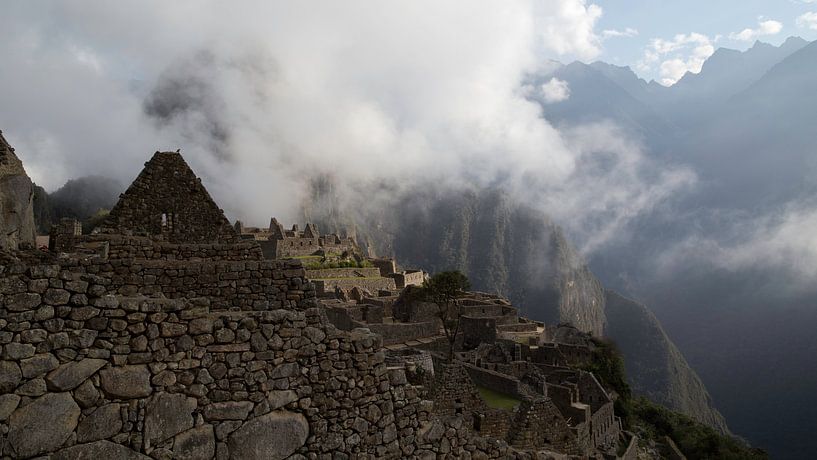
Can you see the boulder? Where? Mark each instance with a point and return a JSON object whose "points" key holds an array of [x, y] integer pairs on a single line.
{"points": [[71, 375], [167, 415], [103, 423], [43, 425], [126, 382], [195, 444], [273, 436], [10, 376], [98, 451]]}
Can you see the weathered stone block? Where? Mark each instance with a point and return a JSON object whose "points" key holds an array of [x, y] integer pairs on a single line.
{"points": [[126, 382], [167, 415], [231, 410], [195, 444], [10, 376], [98, 450], [23, 302], [103, 423], [33, 388], [18, 351], [86, 394], [43, 425], [70, 375], [274, 436], [8, 402], [280, 398]]}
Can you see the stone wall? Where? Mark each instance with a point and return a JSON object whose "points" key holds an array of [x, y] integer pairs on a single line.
{"points": [[144, 248], [86, 373], [373, 285], [501, 383], [324, 273]]}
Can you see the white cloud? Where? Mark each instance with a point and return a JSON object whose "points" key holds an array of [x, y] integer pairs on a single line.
{"points": [[568, 27], [613, 33], [555, 90], [784, 241], [263, 97], [808, 20], [764, 28], [683, 53]]}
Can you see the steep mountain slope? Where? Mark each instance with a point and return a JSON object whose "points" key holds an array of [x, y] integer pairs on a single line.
{"points": [[595, 97], [656, 367], [16, 200]]}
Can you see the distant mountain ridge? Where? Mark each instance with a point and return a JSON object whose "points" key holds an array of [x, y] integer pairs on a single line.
{"points": [[745, 126]]}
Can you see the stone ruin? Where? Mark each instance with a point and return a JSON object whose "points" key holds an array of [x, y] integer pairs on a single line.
{"points": [[167, 336], [279, 243], [168, 200]]}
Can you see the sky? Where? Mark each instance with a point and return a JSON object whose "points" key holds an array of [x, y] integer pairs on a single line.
{"points": [[661, 39], [263, 96]]}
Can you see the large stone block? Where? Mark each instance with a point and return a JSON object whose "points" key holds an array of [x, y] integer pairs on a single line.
{"points": [[274, 436], [38, 364], [126, 382], [103, 423], [195, 444], [230, 410], [167, 415], [71, 375], [43, 425], [10, 376], [8, 403], [99, 450]]}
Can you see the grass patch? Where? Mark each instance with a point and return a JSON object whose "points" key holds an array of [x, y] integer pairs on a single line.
{"points": [[496, 400], [306, 257]]}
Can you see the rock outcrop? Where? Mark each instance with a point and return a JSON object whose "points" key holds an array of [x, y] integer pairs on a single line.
{"points": [[16, 200]]}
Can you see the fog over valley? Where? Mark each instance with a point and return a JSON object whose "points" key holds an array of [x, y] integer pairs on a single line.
{"points": [[645, 183]]}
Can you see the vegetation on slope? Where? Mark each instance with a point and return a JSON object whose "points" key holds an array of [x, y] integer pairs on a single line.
{"points": [[652, 421]]}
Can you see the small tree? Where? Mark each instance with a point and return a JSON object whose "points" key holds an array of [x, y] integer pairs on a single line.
{"points": [[443, 289]]}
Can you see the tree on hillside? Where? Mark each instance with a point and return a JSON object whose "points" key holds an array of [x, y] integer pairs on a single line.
{"points": [[443, 289]]}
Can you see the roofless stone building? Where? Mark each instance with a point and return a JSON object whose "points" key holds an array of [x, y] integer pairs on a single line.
{"points": [[168, 199]]}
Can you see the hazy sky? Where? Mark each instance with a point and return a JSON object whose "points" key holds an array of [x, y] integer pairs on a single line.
{"points": [[261, 96], [660, 39]]}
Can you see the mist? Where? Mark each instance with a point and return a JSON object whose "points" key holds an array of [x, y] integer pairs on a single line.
{"points": [[364, 93]]}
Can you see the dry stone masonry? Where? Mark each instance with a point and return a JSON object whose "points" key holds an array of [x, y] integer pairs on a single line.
{"points": [[166, 336]]}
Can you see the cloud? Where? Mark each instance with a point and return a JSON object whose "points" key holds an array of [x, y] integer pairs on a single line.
{"points": [[764, 28], [808, 20], [554, 90], [782, 242], [363, 92], [683, 53], [613, 33]]}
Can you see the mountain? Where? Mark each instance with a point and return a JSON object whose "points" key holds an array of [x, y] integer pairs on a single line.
{"points": [[721, 264], [80, 198]]}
